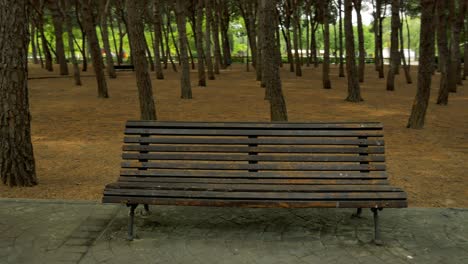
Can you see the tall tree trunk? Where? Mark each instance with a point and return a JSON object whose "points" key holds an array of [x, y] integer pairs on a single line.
{"points": [[186, 89], [17, 166], [199, 42], [135, 11], [456, 19], [209, 61], [39, 51], [157, 39], [93, 42], [354, 92], [313, 44], [260, 40], [395, 54], [278, 110], [58, 30], [224, 17], [362, 50], [296, 23], [248, 10], [308, 16], [378, 42], [114, 40], [64, 8], [104, 7], [444, 53], [217, 47], [45, 47], [326, 42], [340, 36], [426, 61]]}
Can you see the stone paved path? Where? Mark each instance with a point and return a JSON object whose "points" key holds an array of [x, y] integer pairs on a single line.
{"points": [[84, 232]]}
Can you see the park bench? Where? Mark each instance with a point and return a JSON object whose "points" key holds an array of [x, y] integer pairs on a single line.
{"points": [[124, 67], [289, 165]]}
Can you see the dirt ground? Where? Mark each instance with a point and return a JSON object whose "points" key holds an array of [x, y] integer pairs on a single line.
{"points": [[77, 137]]}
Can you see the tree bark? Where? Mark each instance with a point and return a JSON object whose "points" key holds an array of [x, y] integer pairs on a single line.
{"points": [[217, 47], [33, 44], [186, 89], [456, 20], [17, 166], [260, 40], [157, 39], [395, 54], [402, 53], [278, 110], [209, 61], [326, 40], [379, 41], [444, 53], [58, 30], [426, 48], [340, 36], [93, 42], [199, 43], [104, 7], [296, 24], [135, 11], [354, 92], [362, 50], [65, 10]]}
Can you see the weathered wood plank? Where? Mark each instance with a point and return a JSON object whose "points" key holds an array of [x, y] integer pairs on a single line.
{"points": [[224, 187], [252, 132], [246, 141], [271, 125], [261, 166], [252, 181], [261, 149], [254, 175], [258, 195], [257, 203], [246, 157]]}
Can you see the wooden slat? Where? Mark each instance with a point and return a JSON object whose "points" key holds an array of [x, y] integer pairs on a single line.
{"points": [[258, 195], [271, 125], [246, 141], [262, 149], [261, 166], [257, 203], [252, 132], [246, 157], [265, 181], [250, 187], [260, 174]]}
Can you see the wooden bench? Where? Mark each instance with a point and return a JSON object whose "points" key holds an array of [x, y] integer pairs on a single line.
{"points": [[290, 165], [124, 67]]}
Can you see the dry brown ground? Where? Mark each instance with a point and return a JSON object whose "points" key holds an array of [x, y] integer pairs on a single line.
{"points": [[77, 137]]}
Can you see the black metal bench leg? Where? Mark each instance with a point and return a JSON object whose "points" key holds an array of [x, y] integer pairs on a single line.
{"points": [[377, 238], [131, 220], [358, 213]]}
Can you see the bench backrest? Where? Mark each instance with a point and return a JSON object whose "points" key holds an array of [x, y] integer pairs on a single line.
{"points": [[342, 153]]}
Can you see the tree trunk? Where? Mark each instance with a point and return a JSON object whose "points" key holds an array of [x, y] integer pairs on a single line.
{"points": [[68, 24], [362, 50], [199, 42], [248, 10], [354, 92], [296, 23], [340, 36], [378, 42], [278, 110], [157, 39], [326, 42], [58, 30], [426, 61], [45, 47], [83, 37], [135, 11], [217, 47], [444, 53], [224, 18], [313, 44], [402, 53], [93, 42], [260, 40], [17, 166], [104, 7], [395, 54], [457, 20], [209, 61], [186, 89], [114, 40]]}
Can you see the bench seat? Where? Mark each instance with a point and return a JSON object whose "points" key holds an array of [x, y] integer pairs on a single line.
{"points": [[286, 165]]}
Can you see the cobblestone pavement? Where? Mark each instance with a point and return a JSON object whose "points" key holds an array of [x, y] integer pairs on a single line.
{"points": [[81, 232]]}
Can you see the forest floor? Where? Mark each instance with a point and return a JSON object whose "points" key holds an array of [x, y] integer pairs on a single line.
{"points": [[77, 137]]}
